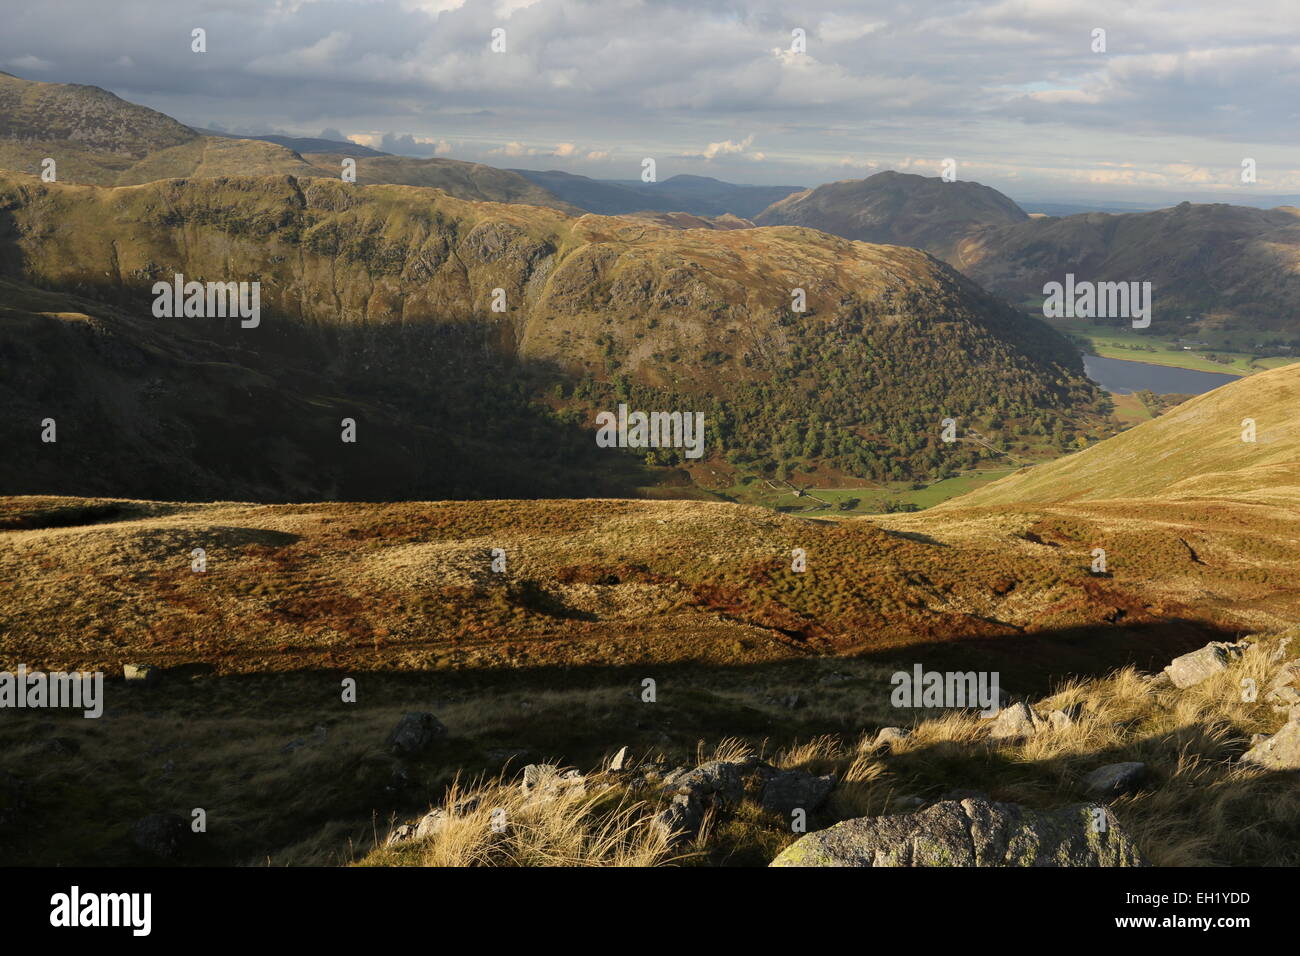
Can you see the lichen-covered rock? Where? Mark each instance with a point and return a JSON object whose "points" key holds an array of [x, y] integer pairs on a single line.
{"points": [[970, 832], [1190, 669]]}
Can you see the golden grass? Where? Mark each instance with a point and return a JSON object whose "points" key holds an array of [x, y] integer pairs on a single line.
{"points": [[493, 823]]}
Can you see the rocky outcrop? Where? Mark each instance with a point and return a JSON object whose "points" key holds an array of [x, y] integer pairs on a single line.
{"points": [[1191, 669], [725, 784], [1284, 690], [1281, 751], [971, 832]]}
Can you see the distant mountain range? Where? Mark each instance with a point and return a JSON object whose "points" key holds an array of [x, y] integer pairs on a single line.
{"points": [[697, 195]]}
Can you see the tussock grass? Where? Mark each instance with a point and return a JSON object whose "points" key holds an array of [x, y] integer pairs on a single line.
{"points": [[493, 823]]}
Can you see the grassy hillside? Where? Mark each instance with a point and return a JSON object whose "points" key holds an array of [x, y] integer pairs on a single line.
{"points": [[389, 289], [1194, 450]]}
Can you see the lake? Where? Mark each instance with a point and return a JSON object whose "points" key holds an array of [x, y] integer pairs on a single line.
{"points": [[1122, 377]]}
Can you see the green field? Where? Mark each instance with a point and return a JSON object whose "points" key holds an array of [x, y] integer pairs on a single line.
{"points": [[1134, 345]]}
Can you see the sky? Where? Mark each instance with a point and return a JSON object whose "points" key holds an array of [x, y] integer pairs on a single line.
{"points": [[1017, 92]]}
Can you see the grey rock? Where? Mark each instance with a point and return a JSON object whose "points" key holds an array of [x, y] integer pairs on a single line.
{"points": [[1015, 722], [400, 834], [1190, 669], [415, 733], [1284, 690], [724, 780], [431, 823], [796, 790], [619, 759], [163, 835], [1060, 719], [889, 737], [680, 820], [1281, 751], [1114, 779], [970, 833]]}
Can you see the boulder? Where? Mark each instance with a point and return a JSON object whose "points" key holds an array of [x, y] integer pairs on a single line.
{"points": [[970, 832], [1281, 751], [415, 733], [139, 674], [889, 737], [725, 784], [796, 790], [400, 834], [1113, 779], [680, 820], [1284, 690], [163, 835], [1015, 722], [1190, 669]]}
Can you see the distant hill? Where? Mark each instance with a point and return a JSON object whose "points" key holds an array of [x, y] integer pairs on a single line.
{"points": [[897, 208], [96, 138], [684, 220], [460, 179], [697, 195], [32, 112], [1209, 265], [303, 144]]}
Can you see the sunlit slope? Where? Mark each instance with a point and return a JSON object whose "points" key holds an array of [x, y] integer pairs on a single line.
{"points": [[1195, 450]]}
